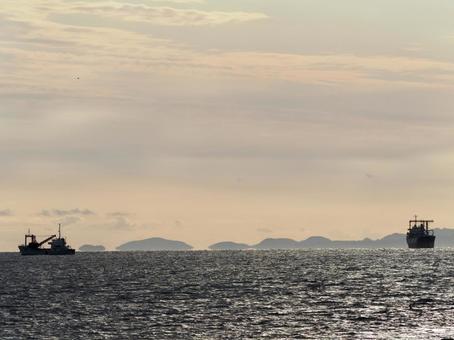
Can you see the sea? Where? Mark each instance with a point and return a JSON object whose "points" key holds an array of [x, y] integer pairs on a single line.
{"points": [[291, 294]]}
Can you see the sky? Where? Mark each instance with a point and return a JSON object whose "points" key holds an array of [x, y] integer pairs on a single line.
{"points": [[215, 120]]}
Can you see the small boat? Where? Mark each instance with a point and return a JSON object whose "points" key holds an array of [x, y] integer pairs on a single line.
{"points": [[58, 245], [419, 235]]}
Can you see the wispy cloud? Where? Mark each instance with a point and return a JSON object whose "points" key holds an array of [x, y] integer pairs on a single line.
{"points": [[167, 16], [119, 214], [375, 71], [69, 220], [6, 213], [41, 56], [70, 212], [68, 216], [121, 222]]}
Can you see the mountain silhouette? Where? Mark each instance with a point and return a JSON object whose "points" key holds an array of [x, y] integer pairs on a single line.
{"points": [[154, 243], [91, 248], [277, 243], [444, 238], [229, 246], [316, 242]]}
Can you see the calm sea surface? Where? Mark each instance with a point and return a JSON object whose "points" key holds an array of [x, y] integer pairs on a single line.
{"points": [[229, 295]]}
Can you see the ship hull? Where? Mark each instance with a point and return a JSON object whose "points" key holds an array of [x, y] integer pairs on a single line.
{"points": [[416, 242], [44, 251]]}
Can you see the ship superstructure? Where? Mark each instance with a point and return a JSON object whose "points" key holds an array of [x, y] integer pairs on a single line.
{"points": [[58, 245], [419, 235]]}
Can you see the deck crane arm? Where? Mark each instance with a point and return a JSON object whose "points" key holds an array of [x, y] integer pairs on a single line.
{"points": [[47, 239]]}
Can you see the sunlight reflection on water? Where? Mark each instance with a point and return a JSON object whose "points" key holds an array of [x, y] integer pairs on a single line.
{"points": [[237, 294]]}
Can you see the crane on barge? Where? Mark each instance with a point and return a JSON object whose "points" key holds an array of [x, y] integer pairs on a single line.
{"points": [[58, 245]]}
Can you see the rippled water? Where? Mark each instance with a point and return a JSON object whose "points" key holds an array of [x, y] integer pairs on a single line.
{"points": [[238, 294]]}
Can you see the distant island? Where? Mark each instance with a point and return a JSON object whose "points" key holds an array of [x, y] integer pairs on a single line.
{"points": [[153, 244], [229, 246], [444, 238], [91, 248]]}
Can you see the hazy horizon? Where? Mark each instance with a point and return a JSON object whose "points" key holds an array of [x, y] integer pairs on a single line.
{"points": [[207, 121]]}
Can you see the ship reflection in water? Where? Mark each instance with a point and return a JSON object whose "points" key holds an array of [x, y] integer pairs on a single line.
{"points": [[419, 235], [58, 245]]}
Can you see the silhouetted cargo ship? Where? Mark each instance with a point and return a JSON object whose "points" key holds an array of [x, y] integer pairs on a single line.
{"points": [[419, 235], [58, 245]]}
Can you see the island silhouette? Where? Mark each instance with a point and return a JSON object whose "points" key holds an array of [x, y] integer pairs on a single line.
{"points": [[445, 238], [154, 243], [229, 246]]}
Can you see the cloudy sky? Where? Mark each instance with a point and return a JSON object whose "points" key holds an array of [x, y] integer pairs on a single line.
{"points": [[211, 120]]}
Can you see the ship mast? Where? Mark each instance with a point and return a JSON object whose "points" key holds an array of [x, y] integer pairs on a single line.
{"points": [[59, 230]]}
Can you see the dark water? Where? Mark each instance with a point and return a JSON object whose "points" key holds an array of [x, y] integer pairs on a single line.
{"points": [[225, 295]]}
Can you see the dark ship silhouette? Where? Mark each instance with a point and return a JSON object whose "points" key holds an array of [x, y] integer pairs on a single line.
{"points": [[58, 245], [419, 235]]}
